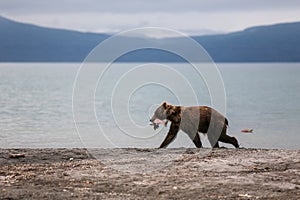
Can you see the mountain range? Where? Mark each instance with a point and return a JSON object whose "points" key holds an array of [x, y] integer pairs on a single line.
{"points": [[21, 42]]}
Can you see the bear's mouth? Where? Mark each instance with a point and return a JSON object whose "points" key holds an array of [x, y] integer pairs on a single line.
{"points": [[156, 123]]}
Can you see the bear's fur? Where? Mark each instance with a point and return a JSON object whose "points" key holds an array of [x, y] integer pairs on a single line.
{"points": [[193, 120]]}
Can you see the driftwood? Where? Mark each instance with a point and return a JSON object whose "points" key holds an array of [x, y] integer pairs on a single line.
{"points": [[16, 155]]}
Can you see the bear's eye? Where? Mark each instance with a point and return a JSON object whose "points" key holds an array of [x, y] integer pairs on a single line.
{"points": [[168, 112]]}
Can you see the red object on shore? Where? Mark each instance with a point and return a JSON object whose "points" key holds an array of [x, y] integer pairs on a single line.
{"points": [[247, 130]]}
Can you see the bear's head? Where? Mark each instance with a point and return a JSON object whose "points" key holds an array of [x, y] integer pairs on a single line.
{"points": [[165, 112]]}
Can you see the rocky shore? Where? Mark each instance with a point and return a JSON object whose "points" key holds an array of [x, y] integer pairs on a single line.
{"points": [[149, 174]]}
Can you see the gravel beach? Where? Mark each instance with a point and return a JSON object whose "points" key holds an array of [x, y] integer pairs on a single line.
{"points": [[149, 174]]}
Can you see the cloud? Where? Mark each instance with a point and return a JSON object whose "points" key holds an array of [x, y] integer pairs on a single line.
{"points": [[191, 16], [77, 6]]}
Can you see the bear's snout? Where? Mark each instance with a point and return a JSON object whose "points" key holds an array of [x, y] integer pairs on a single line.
{"points": [[153, 118]]}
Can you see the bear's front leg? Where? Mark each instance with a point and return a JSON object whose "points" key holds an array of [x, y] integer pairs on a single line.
{"points": [[197, 141], [171, 135]]}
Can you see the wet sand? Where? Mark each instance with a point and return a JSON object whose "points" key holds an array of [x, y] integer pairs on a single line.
{"points": [[149, 174]]}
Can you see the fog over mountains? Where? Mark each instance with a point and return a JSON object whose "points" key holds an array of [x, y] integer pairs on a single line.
{"points": [[20, 42]]}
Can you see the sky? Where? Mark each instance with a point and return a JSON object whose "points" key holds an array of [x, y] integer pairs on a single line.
{"points": [[192, 17]]}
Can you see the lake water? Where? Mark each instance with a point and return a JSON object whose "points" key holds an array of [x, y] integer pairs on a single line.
{"points": [[36, 105]]}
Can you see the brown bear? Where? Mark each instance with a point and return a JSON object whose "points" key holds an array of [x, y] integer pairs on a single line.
{"points": [[193, 120]]}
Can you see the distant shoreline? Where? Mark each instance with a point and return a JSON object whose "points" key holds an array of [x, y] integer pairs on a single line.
{"points": [[190, 173], [269, 43]]}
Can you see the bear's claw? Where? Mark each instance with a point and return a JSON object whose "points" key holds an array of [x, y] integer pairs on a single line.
{"points": [[155, 126]]}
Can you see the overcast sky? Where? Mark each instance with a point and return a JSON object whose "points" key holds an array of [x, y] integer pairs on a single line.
{"points": [[189, 16]]}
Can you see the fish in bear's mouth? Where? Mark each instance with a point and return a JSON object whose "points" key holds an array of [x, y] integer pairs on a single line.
{"points": [[156, 123]]}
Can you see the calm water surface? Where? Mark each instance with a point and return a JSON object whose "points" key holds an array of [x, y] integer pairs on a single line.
{"points": [[36, 105]]}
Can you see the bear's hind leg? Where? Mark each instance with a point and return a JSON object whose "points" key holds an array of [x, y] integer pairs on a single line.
{"points": [[197, 141], [216, 145], [213, 139], [228, 139]]}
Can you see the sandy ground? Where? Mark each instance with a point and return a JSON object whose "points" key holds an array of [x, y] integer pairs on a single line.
{"points": [[149, 174]]}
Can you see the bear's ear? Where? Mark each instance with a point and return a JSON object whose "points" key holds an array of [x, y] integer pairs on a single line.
{"points": [[164, 104]]}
